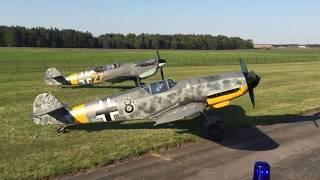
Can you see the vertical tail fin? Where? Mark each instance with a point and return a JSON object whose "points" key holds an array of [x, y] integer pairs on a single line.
{"points": [[48, 110], [55, 77]]}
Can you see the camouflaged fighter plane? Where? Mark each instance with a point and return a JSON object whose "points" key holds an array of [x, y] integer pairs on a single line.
{"points": [[163, 101], [108, 74]]}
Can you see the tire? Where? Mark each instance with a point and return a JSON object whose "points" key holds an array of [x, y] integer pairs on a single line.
{"points": [[214, 132]]}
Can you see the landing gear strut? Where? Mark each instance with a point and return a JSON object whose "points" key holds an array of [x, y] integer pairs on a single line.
{"points": [[214, 132], [213, 127], [137, 81]]}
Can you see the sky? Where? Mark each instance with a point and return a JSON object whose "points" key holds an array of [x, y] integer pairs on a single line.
{"points": [[263, 21]]}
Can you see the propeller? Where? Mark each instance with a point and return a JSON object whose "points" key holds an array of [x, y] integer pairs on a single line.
{"points": [[161, 63], [252, 80]]}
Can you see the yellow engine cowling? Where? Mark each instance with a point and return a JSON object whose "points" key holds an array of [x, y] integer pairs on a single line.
{"points": [[224, 100]]}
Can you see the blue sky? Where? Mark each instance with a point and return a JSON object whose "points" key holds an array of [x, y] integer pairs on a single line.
{"points": [[263, 21]]}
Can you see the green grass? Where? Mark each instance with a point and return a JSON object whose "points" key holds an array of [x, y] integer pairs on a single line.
{"points": [[32, 151], [38, 59]]}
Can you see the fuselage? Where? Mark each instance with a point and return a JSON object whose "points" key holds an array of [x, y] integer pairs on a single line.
{"points": [[153, 99], [114, 73]]}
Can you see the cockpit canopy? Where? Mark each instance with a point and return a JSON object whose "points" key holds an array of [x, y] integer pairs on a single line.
{"points": [[160, 86], [106, 67]]}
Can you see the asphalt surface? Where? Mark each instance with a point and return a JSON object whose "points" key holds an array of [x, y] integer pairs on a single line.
{"points": [[292, 148]]}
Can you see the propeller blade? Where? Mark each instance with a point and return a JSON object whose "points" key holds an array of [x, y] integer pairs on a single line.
{"points": [[158, 54], [243, 66], [252, 80], [251, 93], [161, 72]]}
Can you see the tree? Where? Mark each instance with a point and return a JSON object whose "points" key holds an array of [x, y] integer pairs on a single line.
{"points": [[69, 38]]}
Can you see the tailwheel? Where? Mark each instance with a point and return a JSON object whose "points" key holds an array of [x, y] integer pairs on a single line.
{"points": [[214, 132], [61, 130]]}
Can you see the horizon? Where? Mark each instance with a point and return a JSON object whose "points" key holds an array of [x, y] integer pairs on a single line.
{"points": [[272, 22]]}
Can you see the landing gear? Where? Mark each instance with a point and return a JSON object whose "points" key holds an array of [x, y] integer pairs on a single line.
{"points": [[61, 130], [213, 127], [137, 81], [214, 132]]}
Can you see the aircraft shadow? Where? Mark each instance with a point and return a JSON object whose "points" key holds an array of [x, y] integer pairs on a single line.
{"points": [[121, 88], [248, 137]]}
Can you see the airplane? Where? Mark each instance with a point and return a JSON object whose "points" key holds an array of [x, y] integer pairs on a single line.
{"points": [[162, 101], [108, 74]]}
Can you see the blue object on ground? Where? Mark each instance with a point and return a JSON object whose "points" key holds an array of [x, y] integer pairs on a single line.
{"points": [[261, 171]]}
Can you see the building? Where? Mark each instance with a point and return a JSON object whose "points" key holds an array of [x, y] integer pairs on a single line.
{"points": [[262, 46]]}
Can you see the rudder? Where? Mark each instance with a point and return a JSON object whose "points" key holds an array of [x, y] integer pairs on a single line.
{"points": [[48, 110], [55, 77]]}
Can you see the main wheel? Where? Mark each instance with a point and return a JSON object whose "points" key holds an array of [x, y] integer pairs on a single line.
{"points": [[214, 132]]}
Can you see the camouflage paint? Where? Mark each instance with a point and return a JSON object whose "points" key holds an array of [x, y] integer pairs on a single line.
{"points": [[127, 71], [139, 103]]}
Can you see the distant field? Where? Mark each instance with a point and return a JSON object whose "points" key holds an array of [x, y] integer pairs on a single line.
{"points": [[31, 151], [38, 59]]}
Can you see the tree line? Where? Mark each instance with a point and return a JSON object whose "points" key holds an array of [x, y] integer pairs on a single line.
{"points": [[17, 36]]}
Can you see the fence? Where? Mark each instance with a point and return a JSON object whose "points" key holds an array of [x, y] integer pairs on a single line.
{"points": [[71, 65]]}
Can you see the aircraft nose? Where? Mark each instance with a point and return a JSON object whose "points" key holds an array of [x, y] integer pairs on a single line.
{"points": [[252, 79], [162, 61]]}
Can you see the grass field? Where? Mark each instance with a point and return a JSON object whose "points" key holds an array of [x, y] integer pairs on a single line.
{"points": [[35, 59], [31, 151]]}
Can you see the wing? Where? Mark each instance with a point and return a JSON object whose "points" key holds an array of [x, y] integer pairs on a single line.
{"points": [[180, 112]]}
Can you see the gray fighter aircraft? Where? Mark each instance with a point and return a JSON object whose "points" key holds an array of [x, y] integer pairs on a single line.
{"points": [[163, 101], [108, 74]]}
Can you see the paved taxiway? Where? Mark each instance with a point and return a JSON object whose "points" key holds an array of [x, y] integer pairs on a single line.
{"points": [[292, 148]]}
